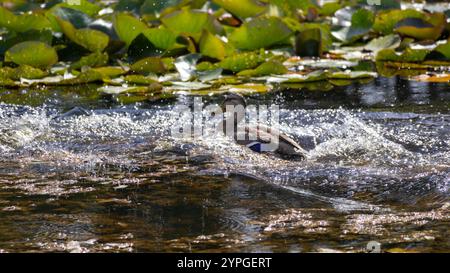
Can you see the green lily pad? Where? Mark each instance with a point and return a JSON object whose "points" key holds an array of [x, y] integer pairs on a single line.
{"points": [[299, 78], [84, 6], [128, 27], [242, 8], [115, 90], [161, 37], [361, 23], [265, 69], [243, 61], [391, 41], [385, 21], [95, 59], [261, 32], [409, 55], [139, 79], [23, 22], [149, 65], [33, 53], [419, 29], [212, 46], [28, 72], [191, 22], [91, 39]]}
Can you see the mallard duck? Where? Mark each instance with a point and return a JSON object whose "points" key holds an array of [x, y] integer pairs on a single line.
{"points": [[258, 138]]}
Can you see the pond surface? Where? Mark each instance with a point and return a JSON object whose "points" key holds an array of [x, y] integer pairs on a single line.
{"points": [[378, 169]]}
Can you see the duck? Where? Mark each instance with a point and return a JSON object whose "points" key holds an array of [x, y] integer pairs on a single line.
{"points": [[262, 137]]}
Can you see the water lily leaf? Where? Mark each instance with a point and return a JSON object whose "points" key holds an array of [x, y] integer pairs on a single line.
{"points": [[267, 68], [419, 29], [139, 79], [91, 39], [84, 6], [109, 71], [385, 21], [95, 59], [260, 32], [309, 43], [23, 22], [385, 4], [77, 18], [209, 75], [352, 75], [128, 27], [187, 66], [299, 78], [409, 55], [243, 61], [441, 52], [33, 53], [190, 22], [391, 41], [149, 65], [115, 90], [212, 46], [28, 72], [242, 8], [161, 37], [361, 23]]}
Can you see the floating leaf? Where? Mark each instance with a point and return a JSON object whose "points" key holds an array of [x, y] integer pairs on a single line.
{"points": [[139, 79], [385, 21], [128, 27], [361, 23], [149, 65], [261, 32], [267, 68], [212, 46], [28, 72], [419, 28], [242, 8], [409, 55], [84, 6], [161, 37], [391, 41], [33, 53], [91, 39], [24, 22], [190, 22], [95, 59], [243, 61], [115, 90], [299, 78]]}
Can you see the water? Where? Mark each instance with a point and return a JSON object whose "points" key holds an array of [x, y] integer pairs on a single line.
{"points": [[378, 169]]}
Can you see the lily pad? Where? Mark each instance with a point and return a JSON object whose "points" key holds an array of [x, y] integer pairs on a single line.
{"points": [[243, 61], [242, 8], [409, 55], [33, 53], [419, 29], [191, 22], [161, 37], [385, 21], [267, 68], [128, 27], [361, 23], [23, 22], [91, 39], [149, 65], [261, 32], [309, 43], [95, 59], [212, 46], [391, 41]]}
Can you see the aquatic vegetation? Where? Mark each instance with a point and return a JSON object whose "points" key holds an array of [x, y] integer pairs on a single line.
{"points": [[73, 43]]}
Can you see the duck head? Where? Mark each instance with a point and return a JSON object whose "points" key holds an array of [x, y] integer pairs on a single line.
{"points": [[236, 103]]}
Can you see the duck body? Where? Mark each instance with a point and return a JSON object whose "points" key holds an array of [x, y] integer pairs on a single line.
{"points": [[260, 138]]}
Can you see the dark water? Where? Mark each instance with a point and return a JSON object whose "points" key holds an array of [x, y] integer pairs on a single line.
{"points": [[378, 169]]}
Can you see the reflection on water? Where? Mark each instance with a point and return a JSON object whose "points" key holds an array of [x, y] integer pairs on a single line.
{"points": [[115, 180]]}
